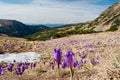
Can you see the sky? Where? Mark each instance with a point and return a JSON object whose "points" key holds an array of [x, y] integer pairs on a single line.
{"points": [[53, 11]]}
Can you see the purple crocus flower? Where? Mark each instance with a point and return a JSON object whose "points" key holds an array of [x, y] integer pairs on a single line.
{"points": [[99, 43], [52, 67], [84, 55], [84, 62], [34, 65], [64, 64], [79, 65], [75, 63], [20, 64], [92, 61], [18, 71], [70, 58], [31, 65], [81, 61], [98, 59], [2, 71], [26, 66], [92, 51], [10, 67], [2, 66], [23, 68], [57, 56]]}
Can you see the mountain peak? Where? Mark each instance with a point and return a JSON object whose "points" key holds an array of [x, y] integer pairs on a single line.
{"points": [[6, 22]]}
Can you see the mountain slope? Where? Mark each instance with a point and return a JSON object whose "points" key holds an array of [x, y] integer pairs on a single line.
{"points": [[18, 29], [109, 20]]}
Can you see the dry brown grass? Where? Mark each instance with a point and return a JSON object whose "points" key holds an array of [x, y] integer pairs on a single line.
{"points": [[109, 51]]}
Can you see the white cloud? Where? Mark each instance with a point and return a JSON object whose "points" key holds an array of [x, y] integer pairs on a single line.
{"points": [[51, 11]]}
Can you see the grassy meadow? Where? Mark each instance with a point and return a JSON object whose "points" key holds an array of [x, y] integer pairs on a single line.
{"points": [[104, 45]]}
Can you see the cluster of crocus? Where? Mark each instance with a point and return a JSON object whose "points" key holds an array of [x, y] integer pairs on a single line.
{"points": [[82, 59], [24, 66], [69, 60], [95, 61], [10, 67], [21, 68], [18, 70]]}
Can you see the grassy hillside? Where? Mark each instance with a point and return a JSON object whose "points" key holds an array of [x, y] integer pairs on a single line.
{"points": [[59, 32]]}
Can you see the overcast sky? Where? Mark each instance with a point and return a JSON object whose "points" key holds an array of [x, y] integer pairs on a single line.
{"points": [[53, 11]]}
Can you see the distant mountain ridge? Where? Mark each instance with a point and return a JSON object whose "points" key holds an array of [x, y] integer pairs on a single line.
{"points": [[18, 29], [109, 20], [53, 25]]}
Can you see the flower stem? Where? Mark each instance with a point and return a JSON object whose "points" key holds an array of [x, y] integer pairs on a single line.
{"points": [[71, 73], [58, 71]]}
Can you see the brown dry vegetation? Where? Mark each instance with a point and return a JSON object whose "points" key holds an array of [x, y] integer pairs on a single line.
{"points": [[109, 51]]}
